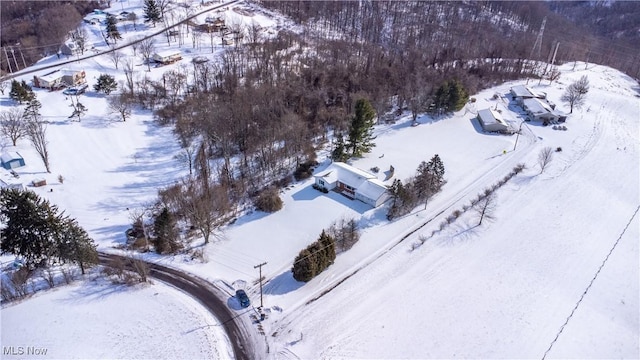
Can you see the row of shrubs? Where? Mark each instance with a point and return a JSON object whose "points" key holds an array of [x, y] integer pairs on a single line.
{"points": [[473, 203]]}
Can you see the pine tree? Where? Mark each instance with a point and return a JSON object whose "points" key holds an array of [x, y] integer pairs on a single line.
{"points": [[339, 152], [30, 226], [21, 92], [106, 84], [458, 96], [304, 267], [112, 29], [429, 178], [75, 245], [152, 12], [361, 130], [451, 96], [32, 111], [166, 233], [36, 231], [328, 245]]}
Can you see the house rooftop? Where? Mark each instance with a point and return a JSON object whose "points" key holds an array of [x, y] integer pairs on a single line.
{"points": [[536, 106], [522, 91], [489, 116], [10, 155], [167, 53]]}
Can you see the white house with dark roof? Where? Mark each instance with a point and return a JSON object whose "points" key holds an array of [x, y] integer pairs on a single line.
{"points": [[353, 183]]}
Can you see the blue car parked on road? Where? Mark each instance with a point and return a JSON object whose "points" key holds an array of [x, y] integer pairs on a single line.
{"points": [[243, 298]]}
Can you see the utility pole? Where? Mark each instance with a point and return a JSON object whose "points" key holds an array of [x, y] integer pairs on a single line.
{"points": [[518, 135], [259, 266]]}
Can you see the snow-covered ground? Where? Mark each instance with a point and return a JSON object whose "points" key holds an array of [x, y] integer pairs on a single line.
{"points": [[98, 320], [504, 289]]}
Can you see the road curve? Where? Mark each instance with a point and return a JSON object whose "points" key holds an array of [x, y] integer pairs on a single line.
{"points": [[208, 295]]}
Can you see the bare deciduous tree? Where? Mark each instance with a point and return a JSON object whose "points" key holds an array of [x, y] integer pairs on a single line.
{"points": [[576, 93], [147, 47], [205, 206], [485, 207], [80, 38], [115, 57], [544, 158], [128, 74], [3, 86], [36, 131], [12, 124], [120, 104]]}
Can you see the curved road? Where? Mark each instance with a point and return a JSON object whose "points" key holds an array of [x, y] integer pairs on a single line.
{"points": [[209, 296]]}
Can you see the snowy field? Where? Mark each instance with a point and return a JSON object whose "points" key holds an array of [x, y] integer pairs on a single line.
{"points": [[500, 290], [98, 320]]}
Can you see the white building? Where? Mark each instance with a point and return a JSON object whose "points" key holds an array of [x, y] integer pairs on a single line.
{"points": [[353, 183], [491, 120]]}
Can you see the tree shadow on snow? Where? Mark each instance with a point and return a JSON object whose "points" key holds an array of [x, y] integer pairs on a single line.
{"points": [[95, 290], [282, 284]]}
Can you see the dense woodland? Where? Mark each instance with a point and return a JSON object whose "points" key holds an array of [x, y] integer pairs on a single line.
{"points": [[33, 29]]}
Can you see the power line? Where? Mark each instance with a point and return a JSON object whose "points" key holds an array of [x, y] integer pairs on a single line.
{"points": [[590, 283]]}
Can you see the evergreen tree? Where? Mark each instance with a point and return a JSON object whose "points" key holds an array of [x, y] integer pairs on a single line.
{"points": [[106, 84], [30, 225], [304, 267], [166, 233], [451, 96], [152, 12], [339, 152], [429, 178], [32, 111], [75, 245], [458, 96], [112, 29], [36, 231], [21, 92], [328, 245], [361, 130]]}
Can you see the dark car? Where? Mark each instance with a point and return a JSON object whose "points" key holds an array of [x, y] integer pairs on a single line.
{"points": [[243, 298]]}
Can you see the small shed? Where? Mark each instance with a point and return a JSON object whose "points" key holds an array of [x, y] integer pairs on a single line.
{"points": [[11, 160], [491, 120], [69, 48], [167, 57]]}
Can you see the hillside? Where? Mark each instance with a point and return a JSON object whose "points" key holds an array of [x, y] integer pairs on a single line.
{"points": [[554, 273]]}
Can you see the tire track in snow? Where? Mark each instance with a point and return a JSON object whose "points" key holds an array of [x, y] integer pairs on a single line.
{"points": [[591, 283]]}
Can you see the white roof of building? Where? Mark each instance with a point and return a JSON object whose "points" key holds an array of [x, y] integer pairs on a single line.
{"points": [[364, 182], [522, 91], [537, 107], [372, 189], [488, 116], [168, 53], [9, 155]]}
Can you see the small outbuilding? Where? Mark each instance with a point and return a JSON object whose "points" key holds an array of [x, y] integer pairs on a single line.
{"points": [[167, 57], [11, 160], [491, 120]]}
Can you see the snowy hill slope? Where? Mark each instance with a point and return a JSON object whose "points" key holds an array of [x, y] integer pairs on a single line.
{"points": [[503, 289]]}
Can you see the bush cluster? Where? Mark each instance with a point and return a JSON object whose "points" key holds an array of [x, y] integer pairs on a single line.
{"points": [[268, 201], [315, 258], [304, 170]]}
